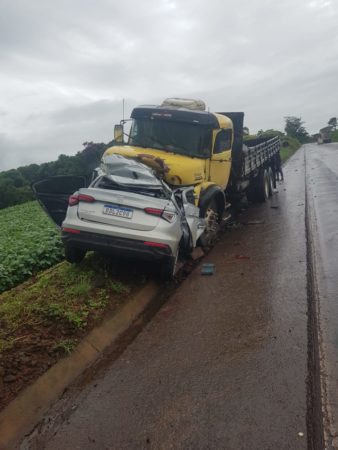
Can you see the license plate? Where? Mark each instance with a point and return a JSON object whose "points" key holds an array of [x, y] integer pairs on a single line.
{"points": [[118, 211]]}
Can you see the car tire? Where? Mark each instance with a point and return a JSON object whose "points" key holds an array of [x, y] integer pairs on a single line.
{"points": [[74, 255]]}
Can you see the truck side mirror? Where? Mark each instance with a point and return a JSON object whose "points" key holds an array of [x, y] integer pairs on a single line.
{"points": [[118, 134]]}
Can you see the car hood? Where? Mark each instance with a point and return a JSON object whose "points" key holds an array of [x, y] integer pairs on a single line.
{"points": [[129, 172]]}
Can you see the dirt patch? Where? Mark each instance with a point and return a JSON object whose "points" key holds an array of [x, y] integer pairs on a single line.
{"points": [[43, 319]]}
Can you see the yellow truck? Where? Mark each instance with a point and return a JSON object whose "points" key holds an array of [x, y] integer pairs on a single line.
{"points": [[189, 146]]}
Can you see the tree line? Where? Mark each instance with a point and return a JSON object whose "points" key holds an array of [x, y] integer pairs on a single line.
{"points": [[15, 184]]}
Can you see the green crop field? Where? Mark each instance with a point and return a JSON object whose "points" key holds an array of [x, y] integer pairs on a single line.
{"points": [[29, 242]]}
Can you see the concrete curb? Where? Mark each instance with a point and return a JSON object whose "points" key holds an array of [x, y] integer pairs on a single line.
{"points": [[21, 415]]}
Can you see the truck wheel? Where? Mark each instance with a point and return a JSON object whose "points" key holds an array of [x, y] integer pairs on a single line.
{"points": [[74, 255], [212, 218], [251, 192], [272, 182], [263, 186]]}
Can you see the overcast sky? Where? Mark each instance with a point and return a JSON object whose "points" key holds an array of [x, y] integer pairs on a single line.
{"points": [[66, 65]]}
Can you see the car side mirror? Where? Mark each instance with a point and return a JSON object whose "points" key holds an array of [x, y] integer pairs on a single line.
{"points": [[118, 134]]}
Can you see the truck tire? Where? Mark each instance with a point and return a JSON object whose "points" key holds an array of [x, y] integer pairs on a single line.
{"points": [[74, 255], [251, 192], [258, 190], [212, 215], [272, 182], [263, 184]]}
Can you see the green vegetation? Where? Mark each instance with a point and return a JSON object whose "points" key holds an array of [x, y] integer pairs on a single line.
{"points": [[63, 300], [289, 147], [15, 184], [333, 122], [29, 243], [294, 128], [335, 136], [66, 346]]}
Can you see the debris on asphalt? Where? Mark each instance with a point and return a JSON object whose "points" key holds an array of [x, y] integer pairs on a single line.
{"points": [[208, 269], [274, 206], [255, 222]]}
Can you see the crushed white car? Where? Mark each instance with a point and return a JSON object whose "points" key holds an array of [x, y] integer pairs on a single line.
{"points": [[127, 210]]}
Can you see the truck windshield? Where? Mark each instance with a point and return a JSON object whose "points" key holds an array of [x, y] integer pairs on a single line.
{"points": [[177, 137]]}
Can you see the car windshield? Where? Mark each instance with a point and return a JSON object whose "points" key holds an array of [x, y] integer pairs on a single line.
{"points": [[177, 137]]}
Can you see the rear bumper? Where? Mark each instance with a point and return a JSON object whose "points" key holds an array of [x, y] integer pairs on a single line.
{"points": [[129, 248]]}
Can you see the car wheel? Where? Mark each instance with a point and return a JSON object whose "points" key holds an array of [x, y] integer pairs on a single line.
{"points": [[74, 255]]}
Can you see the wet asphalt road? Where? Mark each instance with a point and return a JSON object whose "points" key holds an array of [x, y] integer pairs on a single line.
{"points": [[223, 364], [322, 188]]}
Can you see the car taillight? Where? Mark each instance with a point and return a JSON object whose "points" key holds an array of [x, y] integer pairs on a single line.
{"points": [[169, 216], [156, 244], [153, 211], [71, 230], [75, 199], [86, 198]]}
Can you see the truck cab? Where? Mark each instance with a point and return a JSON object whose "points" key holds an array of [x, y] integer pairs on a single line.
{"points": [[188, 144]]}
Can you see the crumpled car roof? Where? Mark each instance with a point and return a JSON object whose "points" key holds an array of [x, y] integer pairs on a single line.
{"points": [[127, 171]]}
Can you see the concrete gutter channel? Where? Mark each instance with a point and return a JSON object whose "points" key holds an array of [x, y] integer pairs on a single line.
{"points": [[109, 339]]}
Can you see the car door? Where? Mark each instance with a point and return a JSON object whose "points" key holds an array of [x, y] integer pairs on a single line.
{"points": [[220, 164], [53, 193]]}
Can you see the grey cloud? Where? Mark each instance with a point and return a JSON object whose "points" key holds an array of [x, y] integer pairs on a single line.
{"points": [[67, 65]]}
